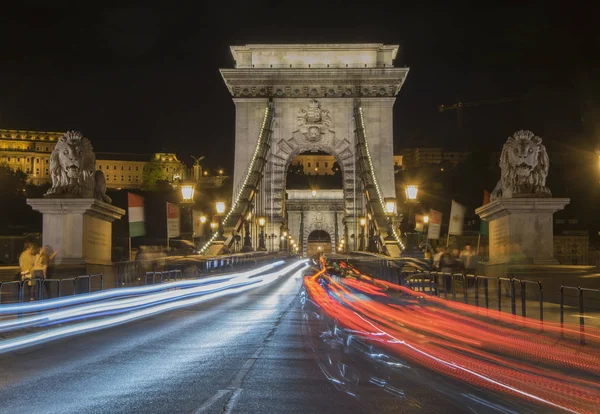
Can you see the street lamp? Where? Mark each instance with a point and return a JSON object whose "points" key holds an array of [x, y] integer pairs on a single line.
{"points": [[411, 192], [187, 195], [390, 212], [361, 245], [284, 245], [220, 207], [261, 238], [187, 191], [412, 247], [247, 239], [313, 193]]}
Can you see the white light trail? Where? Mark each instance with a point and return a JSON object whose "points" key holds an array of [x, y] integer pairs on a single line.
{"points": [[243, 284], [50, 304]]}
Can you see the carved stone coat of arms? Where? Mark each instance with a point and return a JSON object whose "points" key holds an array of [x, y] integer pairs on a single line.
{"points": [[314, 122]]}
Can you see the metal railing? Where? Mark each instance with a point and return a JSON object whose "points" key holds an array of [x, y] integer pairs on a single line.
{"points": [[39, 286], [446, 284], [580, 305]]}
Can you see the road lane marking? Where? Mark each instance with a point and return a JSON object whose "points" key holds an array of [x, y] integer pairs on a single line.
{"points": [[212, 400], [235, 387]]}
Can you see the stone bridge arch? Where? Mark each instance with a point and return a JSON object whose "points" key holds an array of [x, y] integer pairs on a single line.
{"points": [[314, 90]]}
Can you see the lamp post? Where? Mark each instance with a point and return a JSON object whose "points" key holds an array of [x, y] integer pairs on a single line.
{"points": [[220, 207], [412, 247], [361, 244], [261, 238], [390, 212], [284, 244], [188, 189], [203, 228], [247, 239]]}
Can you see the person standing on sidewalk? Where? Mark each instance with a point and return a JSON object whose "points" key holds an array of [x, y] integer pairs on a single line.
{"points": [[27, 263]]}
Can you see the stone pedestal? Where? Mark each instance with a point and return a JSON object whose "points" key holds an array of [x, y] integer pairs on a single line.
{"points": [[521, 229], [79, 229]]}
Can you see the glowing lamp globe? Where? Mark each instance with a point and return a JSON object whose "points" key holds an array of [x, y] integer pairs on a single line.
{"points": [[411, 192], [220, 207], [390, 206], [261, 222], [187, 192]]}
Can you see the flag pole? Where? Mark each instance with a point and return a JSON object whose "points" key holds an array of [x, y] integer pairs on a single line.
{"points": [[167, 225]]}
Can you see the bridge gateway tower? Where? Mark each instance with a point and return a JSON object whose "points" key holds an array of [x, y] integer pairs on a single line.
{"points": [[335, 98]]}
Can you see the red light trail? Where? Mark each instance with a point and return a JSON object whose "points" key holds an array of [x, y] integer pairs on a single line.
{"points": [[485, 348]]}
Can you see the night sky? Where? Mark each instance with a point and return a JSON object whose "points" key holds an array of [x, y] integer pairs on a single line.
{"points": [[146, 79]]}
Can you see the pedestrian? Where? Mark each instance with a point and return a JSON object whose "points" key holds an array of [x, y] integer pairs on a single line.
{"points": [[439, 251], [43, 266], [469, 259], [27, 263]]}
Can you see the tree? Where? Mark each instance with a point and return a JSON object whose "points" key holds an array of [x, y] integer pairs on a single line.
{"points": [[16, 217], [152, 174], [12, 183]]}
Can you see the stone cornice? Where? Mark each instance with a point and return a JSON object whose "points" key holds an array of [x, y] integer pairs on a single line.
{"points": [[522, 205], [89, 206], [314, 83]]}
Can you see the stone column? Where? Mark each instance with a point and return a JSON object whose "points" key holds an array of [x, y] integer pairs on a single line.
{"points": [[522, 228], [78, 229]]}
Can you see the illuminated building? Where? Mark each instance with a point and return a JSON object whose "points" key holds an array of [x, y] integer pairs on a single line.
{"points": [[29, 151], [322, 164]]}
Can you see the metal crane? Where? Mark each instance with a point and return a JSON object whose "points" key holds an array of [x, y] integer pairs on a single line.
{"points": [[460, 105]]}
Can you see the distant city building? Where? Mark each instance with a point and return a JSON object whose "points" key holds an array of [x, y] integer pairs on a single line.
{"points": [[417, 157], [321, 164], [29, 151]]}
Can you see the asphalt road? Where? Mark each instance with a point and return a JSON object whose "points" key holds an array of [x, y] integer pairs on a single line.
{"points": [[236, 354], [255, 352]]}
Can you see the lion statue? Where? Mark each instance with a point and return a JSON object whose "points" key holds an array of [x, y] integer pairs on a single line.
{"points": [[73, 169], [524, 167]]}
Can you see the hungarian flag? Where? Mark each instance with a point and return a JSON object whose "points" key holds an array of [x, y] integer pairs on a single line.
{"points": [[135, 206]]}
